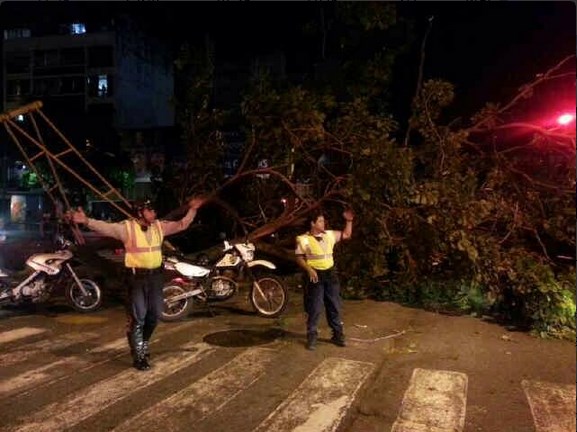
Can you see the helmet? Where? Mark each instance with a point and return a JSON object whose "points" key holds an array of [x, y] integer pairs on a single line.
{"points": [[140, 205]]}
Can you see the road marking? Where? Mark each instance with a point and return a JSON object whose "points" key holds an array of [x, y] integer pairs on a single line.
{"points": [[81, 319], [51, 373], [57, 370], [205, 396], [83, 404], [20, 333], [552, 406], [322, 400], [434, 401], [32, 349], [31, 379]]}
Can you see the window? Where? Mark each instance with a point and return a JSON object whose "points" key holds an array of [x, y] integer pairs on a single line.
{"points": [[99, 86], [17, 62], [72, 56], [17, 87], [16, 33], [77, 28], [47, 86], [102, 85], [44, 58], [72, 85]]}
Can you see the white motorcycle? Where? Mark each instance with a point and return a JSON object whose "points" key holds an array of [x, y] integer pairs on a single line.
{"points": [[45, 273], [220, 282]]}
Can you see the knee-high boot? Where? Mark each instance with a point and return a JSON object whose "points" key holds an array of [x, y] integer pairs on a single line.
{"points": [[130, 343], [137, 344], [147, 331]]}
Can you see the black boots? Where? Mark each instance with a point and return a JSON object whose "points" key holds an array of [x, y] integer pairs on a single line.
{"points": [[338, 339], [141, 363], [146, 349], [138, 349], [311, 344]]}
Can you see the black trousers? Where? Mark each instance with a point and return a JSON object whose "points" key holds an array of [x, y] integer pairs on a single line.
{"points": [[325, 292], [143, 308]]}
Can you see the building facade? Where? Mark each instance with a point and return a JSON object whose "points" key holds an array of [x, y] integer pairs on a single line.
{"points": [[104, 83]]}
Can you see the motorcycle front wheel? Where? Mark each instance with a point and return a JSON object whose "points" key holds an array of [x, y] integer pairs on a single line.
{"points": [[176, 305], [268, 296], [84, 303]]}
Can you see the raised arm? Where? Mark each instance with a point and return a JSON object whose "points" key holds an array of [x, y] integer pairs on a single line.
{"points": [[347, 231], [114, 230], [173, 227]]}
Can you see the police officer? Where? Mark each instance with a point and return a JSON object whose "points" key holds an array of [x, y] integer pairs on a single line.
{"points": [[314, 254], [142, 237]]}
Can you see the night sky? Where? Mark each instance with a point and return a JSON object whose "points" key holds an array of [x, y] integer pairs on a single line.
{"points": [[487, 49]]}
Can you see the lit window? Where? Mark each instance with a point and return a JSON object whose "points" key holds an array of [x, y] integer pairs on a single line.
{"points": [[20, 117], [102, 85], [77, 28]]}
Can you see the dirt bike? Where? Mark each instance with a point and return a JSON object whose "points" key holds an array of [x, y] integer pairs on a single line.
{"points": [[46, 272], [204, 283]]}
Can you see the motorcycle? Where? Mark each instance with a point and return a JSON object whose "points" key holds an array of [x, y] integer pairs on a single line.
{"points": [[268, 296], [45, 272]]}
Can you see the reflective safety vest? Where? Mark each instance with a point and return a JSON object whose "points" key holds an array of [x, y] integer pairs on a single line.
{"points": [[319, 255], [139, 252]]}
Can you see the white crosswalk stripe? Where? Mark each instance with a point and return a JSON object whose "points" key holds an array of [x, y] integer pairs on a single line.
{"points": [[57, 370], [20, 333], [61, 369], [322, 400], [435, 401], [552, 406], [205, 396], [30, 379], [77, 407], [34, 348]]}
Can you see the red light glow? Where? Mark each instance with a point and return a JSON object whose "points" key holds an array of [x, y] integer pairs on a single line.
{"points": [[565, 119]]}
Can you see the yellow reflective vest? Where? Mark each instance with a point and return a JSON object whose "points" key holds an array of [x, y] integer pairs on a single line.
{"points": [[319, 255], [140, 253]]}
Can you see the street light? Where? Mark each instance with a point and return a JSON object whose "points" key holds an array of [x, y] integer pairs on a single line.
{"points": [[565, 119]]}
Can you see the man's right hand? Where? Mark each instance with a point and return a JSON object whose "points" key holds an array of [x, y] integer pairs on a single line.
{"points": [[78, 216], [313, 276]]}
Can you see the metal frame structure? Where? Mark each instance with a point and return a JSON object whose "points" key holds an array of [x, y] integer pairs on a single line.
{"points": [[55, 157]]}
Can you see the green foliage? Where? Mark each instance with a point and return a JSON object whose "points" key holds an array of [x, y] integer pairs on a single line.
{"points": [[448, 220], [451, 229]]}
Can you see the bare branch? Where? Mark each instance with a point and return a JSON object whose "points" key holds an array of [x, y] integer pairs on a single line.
{"points": [[527, 89], [420, 76]]}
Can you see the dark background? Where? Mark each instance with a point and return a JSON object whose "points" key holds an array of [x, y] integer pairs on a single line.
{"points": [[487, 49]]}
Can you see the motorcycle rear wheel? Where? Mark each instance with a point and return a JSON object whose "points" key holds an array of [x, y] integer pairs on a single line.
{"points": [[174, 310], [84, 303], [271, 299]]}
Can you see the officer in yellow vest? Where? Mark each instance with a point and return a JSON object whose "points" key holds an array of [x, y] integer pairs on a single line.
{"points": [[314, 253], [142, 237]]}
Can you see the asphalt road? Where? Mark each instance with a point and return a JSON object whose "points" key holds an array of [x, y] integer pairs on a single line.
{"points": [[404, 370]]}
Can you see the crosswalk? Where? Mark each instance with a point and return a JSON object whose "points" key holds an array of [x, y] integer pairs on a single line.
{"points": [[435, 400], [318, 400]]}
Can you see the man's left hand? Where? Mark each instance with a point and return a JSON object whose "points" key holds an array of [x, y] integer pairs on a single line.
{"points": [[349, 215]]}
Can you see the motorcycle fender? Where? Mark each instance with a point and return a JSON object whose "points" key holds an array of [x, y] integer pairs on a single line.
{"points": [[263, 263], [178, 281]]}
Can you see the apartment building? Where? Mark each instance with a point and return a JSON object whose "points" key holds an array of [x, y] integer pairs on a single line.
{"points": [[103, 82]]}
